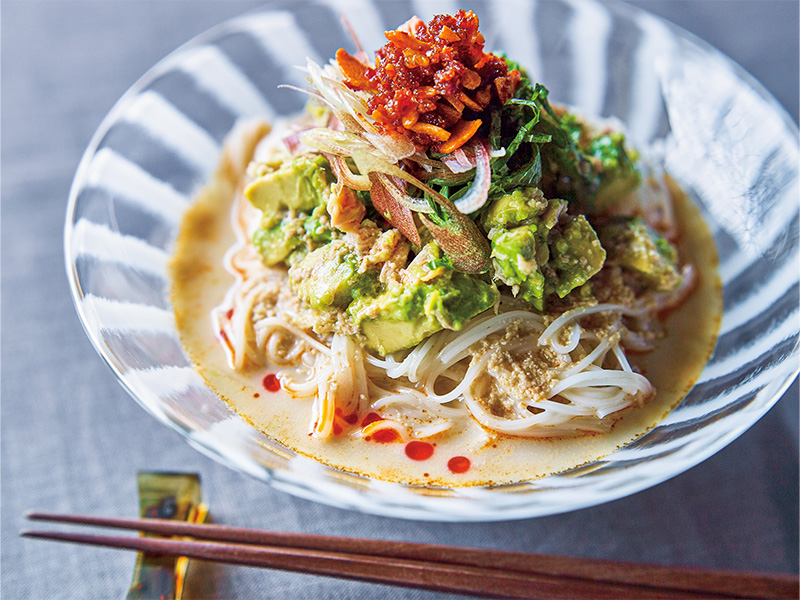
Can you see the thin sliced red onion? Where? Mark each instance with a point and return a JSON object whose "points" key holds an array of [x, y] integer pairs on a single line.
{"points": [[462, 158], [458, 162], [479, 191], [360, 54]]}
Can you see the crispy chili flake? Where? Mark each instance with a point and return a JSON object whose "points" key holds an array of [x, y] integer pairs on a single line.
{"points": [[432, 82]]}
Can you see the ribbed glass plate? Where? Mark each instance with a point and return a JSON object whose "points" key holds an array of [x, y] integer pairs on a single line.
{"points": [[723, 137]]}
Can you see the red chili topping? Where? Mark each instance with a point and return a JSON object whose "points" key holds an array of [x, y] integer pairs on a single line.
{"points": [[351, 419], [271, 383], [385, 435], [459, 464], [432, 82], [370, 418], [416, 450]]}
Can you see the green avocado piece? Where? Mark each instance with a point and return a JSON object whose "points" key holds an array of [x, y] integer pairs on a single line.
{"points": [[517, 208], [328, 277], [296, 185], [519, 253], [514, 253], [276, 243], [634, 246], [404, 314], [577, 255], [386, 335], [554, 252], [279, 240]]}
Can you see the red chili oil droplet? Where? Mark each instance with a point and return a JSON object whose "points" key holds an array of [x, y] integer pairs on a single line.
{"points": [[351, 419], [256, 395], [337, 429], [459, 464], [370, 418], [385, 436], [272, 383], [229, 314], [224, 336], [416, 450]]}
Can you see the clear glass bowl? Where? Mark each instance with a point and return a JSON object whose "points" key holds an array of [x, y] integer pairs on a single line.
{"points": [[722, 136]]}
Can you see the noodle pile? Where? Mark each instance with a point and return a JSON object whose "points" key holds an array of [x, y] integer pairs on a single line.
{"points": [[582, 375]]}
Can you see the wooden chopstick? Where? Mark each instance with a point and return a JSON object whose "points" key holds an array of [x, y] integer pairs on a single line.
{"points": [[486, 573], [474, 582]]}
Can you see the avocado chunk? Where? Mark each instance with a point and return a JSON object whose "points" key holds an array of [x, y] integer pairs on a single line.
{"points": [[519, 207], [577, 255], [277, 242], [551, 252], [431, 297], [515, 261], [280, 241], [292, 198], [639, 250], [328, 277], [298, 185]]}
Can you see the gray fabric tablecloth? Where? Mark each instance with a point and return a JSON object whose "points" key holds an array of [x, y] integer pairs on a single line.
{"points": [[72, 440]]}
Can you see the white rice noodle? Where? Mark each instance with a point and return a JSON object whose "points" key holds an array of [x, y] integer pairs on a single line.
{"points": [[587, 392], [431, 388], [272, 343], [545, 424], [368, 430], [480, 328], [269, 324], [304, 389], [342, 385], [551, 334]]}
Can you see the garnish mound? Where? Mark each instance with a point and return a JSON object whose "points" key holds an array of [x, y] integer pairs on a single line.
{"points": [[433, 83]]}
